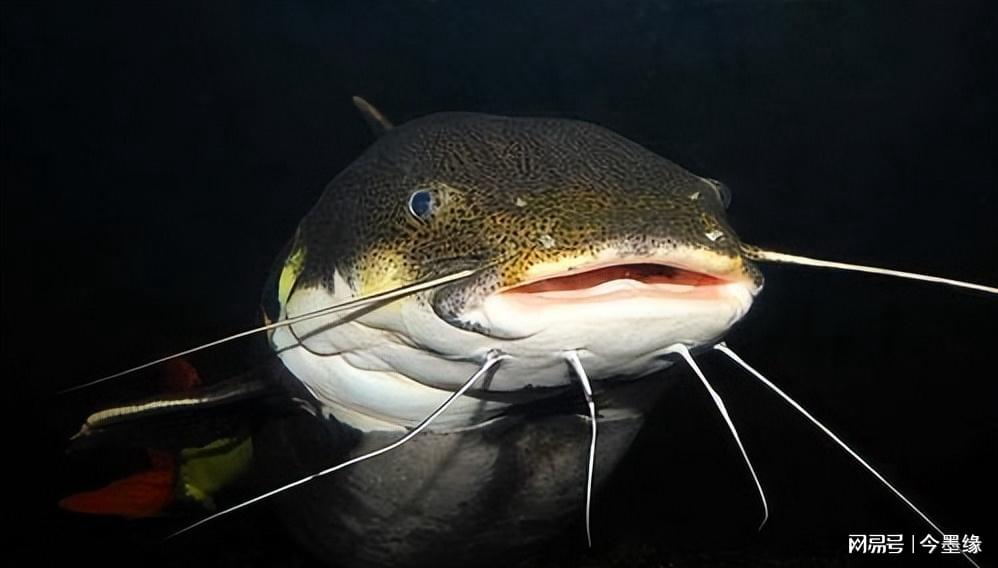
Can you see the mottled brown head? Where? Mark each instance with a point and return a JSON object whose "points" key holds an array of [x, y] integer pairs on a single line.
{"points": [[531, 197]]}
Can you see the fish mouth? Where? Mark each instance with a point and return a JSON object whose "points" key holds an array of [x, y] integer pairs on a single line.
{"points": [[621, 312], [605, 281]]}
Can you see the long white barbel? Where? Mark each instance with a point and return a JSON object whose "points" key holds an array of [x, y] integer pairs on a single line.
{"points": [[587, 389], [352, 303], [756, 253], [723, 348], [685, 352], [491, 360]]}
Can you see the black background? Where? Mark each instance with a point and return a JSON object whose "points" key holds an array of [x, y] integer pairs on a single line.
{"points": [[157, 156]]}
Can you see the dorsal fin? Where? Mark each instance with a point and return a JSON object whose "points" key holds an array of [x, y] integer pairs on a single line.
{"points": [[377, 122]]}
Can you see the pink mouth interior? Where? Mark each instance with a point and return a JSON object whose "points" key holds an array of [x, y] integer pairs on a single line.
{"points": [[647, 273]]}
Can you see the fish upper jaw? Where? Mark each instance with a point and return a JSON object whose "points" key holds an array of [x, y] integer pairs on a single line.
{"points": [[611, 273], [598, 285]]}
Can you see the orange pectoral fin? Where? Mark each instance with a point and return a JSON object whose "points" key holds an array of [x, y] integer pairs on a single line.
{"points": [[144, 494]]}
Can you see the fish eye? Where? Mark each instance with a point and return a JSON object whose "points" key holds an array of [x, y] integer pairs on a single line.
{"points": [[721, 190], [421, 205]]}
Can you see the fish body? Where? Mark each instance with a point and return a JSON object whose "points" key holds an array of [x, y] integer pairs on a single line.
{"points": [[577, 240]]}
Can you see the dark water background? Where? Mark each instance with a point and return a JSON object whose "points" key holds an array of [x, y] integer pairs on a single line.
{"points": [[155, 157]]}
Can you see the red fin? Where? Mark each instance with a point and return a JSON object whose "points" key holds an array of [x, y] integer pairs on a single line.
{"points": [[143, 494], [179, 376]]}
